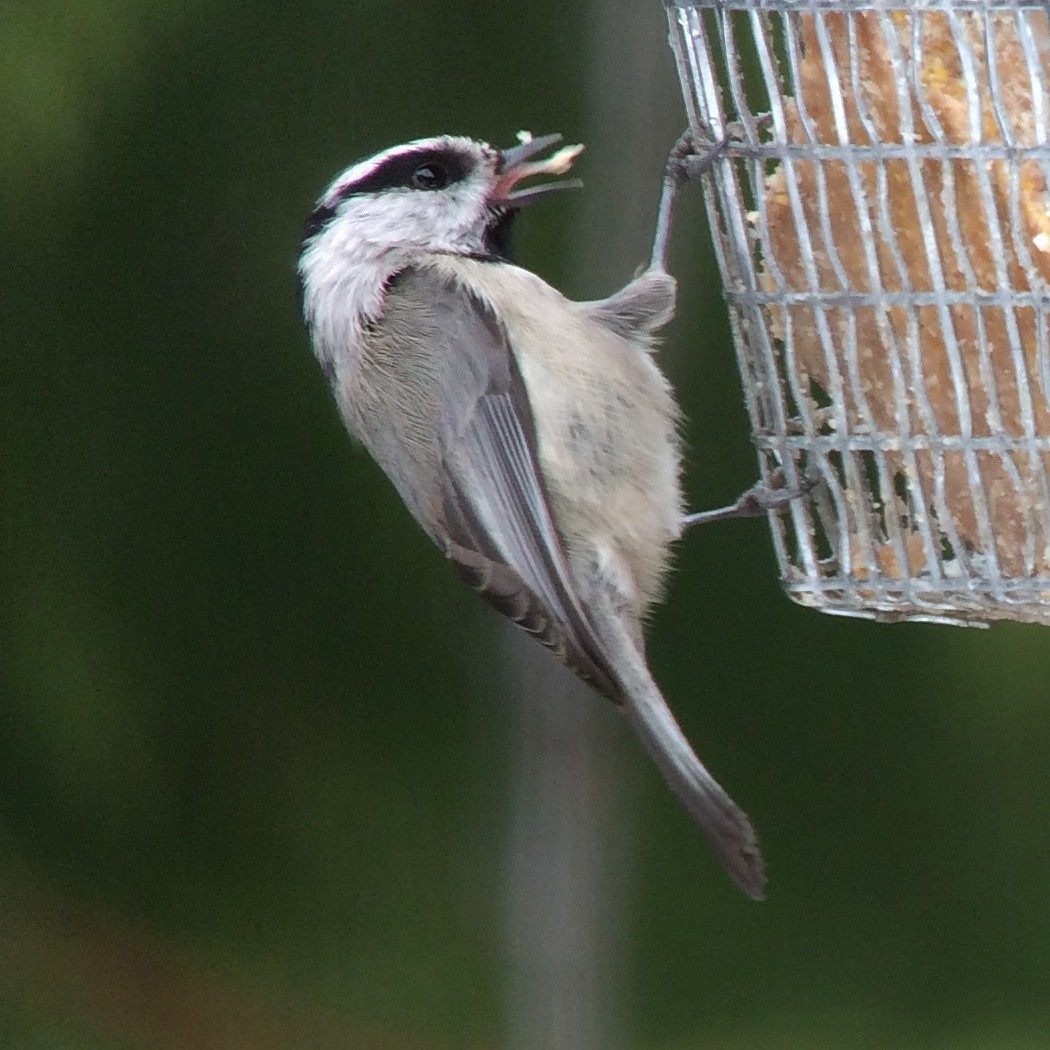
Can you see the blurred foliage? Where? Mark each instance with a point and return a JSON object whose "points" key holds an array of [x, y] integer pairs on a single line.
{"points": [[253, 770]]}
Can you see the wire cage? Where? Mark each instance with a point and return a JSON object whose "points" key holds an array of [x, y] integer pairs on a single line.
{"points": [[881, 218]]}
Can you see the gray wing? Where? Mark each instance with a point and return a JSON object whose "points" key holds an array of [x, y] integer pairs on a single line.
{"points": [[489, 508]]}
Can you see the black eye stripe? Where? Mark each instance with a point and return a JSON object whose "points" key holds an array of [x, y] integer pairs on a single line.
{"points": [[396, 172], [317, 220]]}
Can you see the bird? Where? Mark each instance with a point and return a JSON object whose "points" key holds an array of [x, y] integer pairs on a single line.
{"points": [[532, 437]]}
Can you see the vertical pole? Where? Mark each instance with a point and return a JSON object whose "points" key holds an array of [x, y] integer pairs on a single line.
{"points": [[572, 819]]}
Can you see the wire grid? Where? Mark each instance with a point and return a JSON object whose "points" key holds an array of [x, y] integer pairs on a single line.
{"points": [[882, 225]]}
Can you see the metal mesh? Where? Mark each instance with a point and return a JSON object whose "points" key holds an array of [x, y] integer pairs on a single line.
{"points": [[882, 225]]}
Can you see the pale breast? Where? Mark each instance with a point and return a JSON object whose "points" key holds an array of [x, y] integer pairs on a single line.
{"points": [[606, 429]]}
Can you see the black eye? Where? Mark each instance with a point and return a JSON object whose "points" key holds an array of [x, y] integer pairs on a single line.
{"points": [[429, 177]]}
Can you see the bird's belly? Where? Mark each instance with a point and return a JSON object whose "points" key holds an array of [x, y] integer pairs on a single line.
{"points": [[610, 455], [606, 430]]}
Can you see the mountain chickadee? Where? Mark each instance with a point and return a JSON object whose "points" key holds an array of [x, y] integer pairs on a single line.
{"points": [[533, 438]]}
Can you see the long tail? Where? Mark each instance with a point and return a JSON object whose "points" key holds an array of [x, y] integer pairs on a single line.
{"points": [[724, 824]]}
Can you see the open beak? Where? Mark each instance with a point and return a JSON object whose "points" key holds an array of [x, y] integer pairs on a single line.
{"points": [[517, 163]]}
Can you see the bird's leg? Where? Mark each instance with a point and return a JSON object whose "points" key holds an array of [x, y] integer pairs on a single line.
{"points": [[684, 164], [688, 160], [760, 499]]}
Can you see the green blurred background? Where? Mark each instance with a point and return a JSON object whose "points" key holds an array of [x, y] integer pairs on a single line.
{"points": [[260, 752]]}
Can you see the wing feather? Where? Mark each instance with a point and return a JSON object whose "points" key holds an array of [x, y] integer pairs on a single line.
{"points": [[496, 523]]}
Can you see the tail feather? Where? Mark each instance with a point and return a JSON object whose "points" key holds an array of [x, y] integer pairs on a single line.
{"points": [[725, 825]]}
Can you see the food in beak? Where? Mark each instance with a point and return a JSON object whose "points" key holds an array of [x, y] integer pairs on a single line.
{"points": [[517, 164]]}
